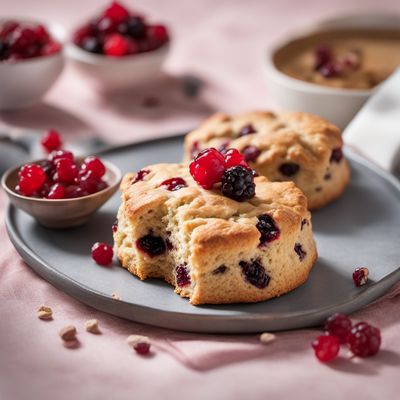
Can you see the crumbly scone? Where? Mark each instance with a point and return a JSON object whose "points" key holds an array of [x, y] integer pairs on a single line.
{"points": [[208, 246], [299, 147]]}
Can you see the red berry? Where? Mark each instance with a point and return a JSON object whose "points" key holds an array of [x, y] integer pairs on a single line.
{"points": [[326, 347], [58, 154], [51, 140], [95, 165], [207, 168], [233, 157], [158, 32], [83, 33], [116, 12], [338, 325], [173, 184], [50, 48], [101, 185], [88, 182], [31, 179], [364, 340], [7, 28], [142, 348], [116, 45], [67, 171], [102, 253], [41, 34], [56, 192], [360, 276]]}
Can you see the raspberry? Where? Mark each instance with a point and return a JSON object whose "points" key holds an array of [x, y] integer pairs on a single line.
{"points": [[116, 12], [95, 165], [338, 325], [31, 179], [326, 347], [102, 253], [360, 276], [56, 192], [364, 340], [238, 183], [116, 45], [207, 168], [233, 157], [67, 171], [51, 140]]}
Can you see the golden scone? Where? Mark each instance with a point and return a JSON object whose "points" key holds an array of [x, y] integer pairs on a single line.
{"points": [[299, 147], [211, 248]]}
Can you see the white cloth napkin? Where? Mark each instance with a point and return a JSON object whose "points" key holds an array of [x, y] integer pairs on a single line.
{"points": [[375, 130]]}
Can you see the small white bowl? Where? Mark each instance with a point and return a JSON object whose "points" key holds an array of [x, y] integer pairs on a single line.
{"points": [[113, 73], [334, 104], [23, 83]]}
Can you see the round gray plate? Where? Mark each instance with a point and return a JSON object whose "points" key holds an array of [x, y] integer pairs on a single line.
{"points": [[360, 229]]}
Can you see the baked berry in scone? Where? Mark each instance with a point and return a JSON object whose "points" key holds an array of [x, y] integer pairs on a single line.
{"points": [[297, 147], [219, 236]]}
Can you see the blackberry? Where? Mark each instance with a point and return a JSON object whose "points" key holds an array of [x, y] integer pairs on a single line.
{"points": [[92, 45], [152, 245], [238, 183], [289, 169], [255, 273], [133, 27], [268, 229], [4, 50]]}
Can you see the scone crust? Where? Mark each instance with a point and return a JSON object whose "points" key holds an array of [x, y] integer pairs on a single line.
{"points": [[208, 229], [293, 137]]}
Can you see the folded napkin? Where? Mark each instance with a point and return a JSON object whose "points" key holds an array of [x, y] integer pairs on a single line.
{"points": [[375, 130]]}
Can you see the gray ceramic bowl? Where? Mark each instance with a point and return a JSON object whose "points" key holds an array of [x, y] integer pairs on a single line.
{"points": [[63, 213]]}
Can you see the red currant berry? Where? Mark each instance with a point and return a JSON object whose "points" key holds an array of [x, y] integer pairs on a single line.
{"points": [[51, 140], [102, 253], [95, 165], [57, 191], [116, 12], [31, 179], [88, 182], [338, 325], [49, 48], [158, 32], [58, 154], [41, 34], [116, 45], [207, 168], [326, 347], [364, 340], [360, 276], [67, 171], [233, 157], [142, 348]]}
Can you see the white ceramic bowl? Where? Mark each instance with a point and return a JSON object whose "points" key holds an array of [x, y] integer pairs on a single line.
{"points": [[334, 104], [113, 73], [23, 83]]}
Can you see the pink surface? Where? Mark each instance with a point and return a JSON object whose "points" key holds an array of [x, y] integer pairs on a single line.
{"points": [[222, 43]]}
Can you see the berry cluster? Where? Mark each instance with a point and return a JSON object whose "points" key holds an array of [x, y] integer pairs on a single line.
{"points": [[20, 41], [363, 339], [211, 167], [330, 66], [60, 176], [118, 32]]}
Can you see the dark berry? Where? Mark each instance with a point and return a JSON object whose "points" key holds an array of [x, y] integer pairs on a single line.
{"points": [[51, 140], [56, 192], [102, 253], [133, 27], [233, 157], [140, 175], [4, 50], [326, 347], [322, 55], [337, 155], [182, 275], [114, 227], [364, 340], [224, 146], [92, 45], [220, 270], [289, 169], [255, 273], [94, 164], [152, 245], [207, 168], [251, 153], [174, 184], [247, 130], [303, 222], [268, 229], [298, 248], [238, 183], [338, 325], [360, 276]]}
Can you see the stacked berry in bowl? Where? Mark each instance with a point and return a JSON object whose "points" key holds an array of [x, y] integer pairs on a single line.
{"points": [[119, 48], [30, 61]]}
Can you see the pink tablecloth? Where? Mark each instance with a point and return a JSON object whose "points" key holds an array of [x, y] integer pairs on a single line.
{"points": [[221, 42]]}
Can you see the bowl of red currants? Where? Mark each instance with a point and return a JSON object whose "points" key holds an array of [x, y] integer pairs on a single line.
{"points": [[30, 61], [119, 48], [62, 190]]}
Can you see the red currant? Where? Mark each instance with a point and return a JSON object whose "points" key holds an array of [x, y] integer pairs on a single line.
{"points": [[95, 165], [51, 140], [360, 276], [102, 253], [207, 168], [57, 191], [364, 340], [339, 325], [116, 12], [142, 348], [326, 347], [158, 32], [116, 45], [88, 182], [233, 157], [67, 171], [31, 179], [58, 154]]}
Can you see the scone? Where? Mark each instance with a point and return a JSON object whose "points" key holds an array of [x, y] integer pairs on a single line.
{"points": [[299, 147], [211, 248]]}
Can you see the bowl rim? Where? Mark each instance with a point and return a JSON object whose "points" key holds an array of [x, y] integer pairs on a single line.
{"points": [[11, 193], [329, 24]]}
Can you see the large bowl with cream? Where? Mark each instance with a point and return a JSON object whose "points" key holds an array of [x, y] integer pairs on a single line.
{"points": [[363, 51]]}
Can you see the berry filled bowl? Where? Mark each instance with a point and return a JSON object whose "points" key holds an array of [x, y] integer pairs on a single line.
{"points": [[119, 48], [31, 60], [61, 191]]}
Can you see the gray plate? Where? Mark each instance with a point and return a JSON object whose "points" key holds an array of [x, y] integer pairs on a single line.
{"points": [[360, 229]]}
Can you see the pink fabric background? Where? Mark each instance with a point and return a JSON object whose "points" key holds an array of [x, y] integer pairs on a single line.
{"points": [[222, 42]]}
